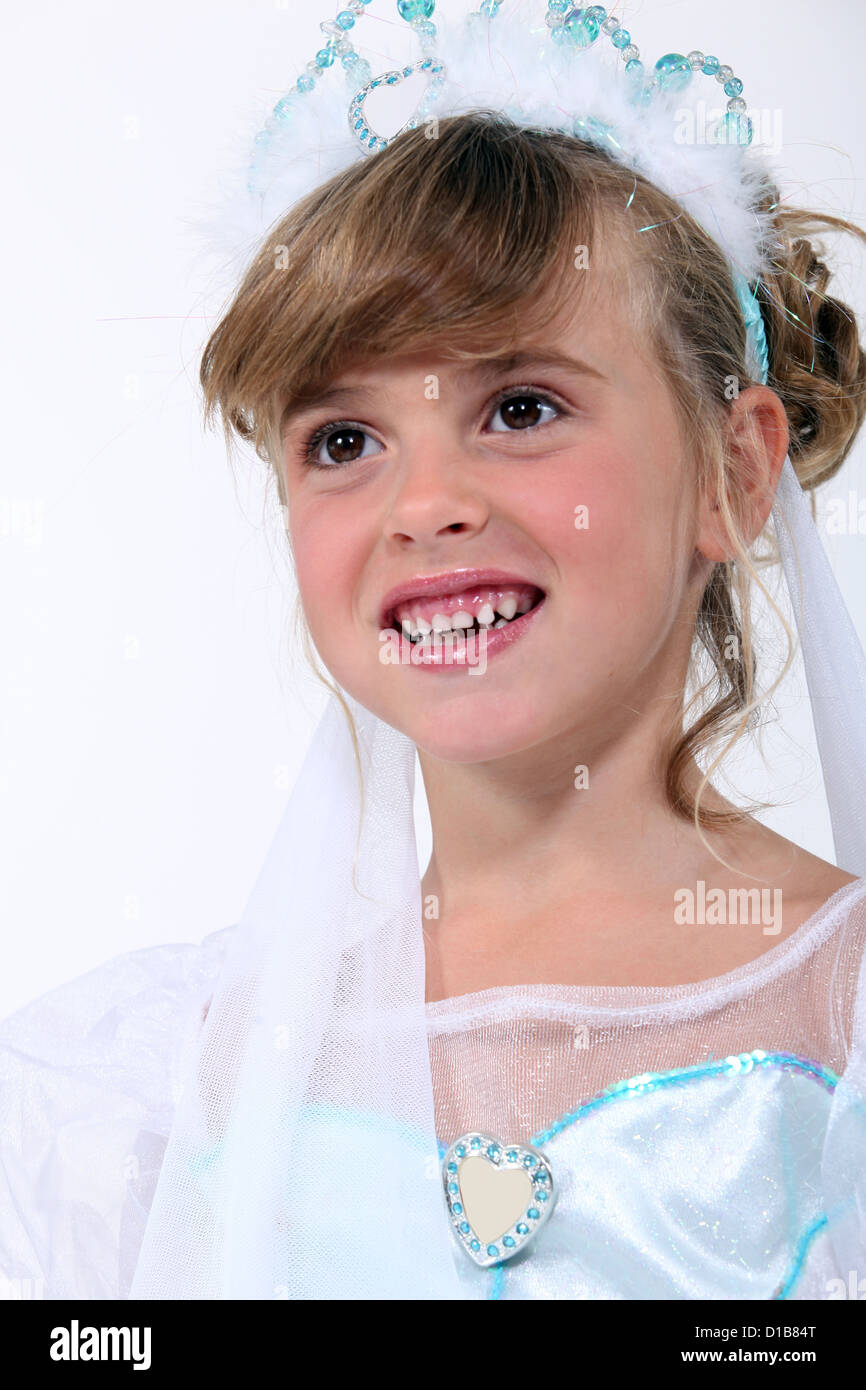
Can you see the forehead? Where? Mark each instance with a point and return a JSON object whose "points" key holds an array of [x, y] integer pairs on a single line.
{"points": [[587, 330], [578, 335]]}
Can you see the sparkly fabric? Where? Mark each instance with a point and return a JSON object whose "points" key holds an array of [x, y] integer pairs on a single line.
{"points": [[708, 1188], [704, 1178]]}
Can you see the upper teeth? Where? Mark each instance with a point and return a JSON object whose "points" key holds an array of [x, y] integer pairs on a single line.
{"points": [[461, 618]]}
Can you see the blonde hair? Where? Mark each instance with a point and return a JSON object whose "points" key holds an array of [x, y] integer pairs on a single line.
{"points": [[464, 243]]}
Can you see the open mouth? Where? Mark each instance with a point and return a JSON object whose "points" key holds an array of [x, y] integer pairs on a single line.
{"points": [[478, 608]]}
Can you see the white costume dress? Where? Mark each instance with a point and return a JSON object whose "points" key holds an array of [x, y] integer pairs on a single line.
{"points": [[730, 1167]]}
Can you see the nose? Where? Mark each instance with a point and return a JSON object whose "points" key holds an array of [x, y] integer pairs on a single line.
{"points": [[434, 498]]}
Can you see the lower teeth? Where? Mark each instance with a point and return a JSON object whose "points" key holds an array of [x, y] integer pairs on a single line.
{"points": [[450, 633]]}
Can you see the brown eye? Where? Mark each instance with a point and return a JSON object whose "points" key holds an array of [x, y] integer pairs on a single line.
{"points": [[344, 446], [524, 411], [336, 445]]}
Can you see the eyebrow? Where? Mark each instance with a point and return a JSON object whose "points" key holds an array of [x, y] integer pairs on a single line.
{"points": [[479, 372]]}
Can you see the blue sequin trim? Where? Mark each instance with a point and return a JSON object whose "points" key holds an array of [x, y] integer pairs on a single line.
{"points": [[738, 1065], [800, 1254]]}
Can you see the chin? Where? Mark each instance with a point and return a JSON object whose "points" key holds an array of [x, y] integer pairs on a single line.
{"points": [[458, 717], [470, 735]]}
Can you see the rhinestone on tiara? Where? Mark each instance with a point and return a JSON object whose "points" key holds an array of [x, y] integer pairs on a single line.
{"points": [[360, 126]]}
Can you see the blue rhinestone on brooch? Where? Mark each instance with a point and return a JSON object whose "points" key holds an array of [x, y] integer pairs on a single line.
{"points": [[498, 1195]]}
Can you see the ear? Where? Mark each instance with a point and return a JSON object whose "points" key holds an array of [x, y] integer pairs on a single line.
{"points": [[758, 437]]}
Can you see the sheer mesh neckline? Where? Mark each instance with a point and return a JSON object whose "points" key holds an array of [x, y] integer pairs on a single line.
{"points": [[615, 1000]]}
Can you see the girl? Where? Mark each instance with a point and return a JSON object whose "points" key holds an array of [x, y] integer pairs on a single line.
{"points": [[504, 387], [436, 418]]}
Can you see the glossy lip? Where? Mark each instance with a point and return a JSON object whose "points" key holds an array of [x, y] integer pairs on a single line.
{"points": [[452, 582]]}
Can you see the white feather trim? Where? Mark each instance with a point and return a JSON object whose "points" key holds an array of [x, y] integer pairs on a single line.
{"points": [[518, 70]]}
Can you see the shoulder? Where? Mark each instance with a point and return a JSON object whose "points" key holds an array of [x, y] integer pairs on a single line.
{"points": [[138, 995], [848, 908], [805, 885], [832, 942], [818, 883]]}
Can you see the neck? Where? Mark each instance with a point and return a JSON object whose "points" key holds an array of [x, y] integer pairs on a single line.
{"points": [[516, 837]]}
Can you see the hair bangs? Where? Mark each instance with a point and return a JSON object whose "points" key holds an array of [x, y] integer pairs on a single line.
{"points": [[457, 246]]}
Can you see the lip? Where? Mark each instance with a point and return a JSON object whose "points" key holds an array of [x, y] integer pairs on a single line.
{"points": [[451, 582]]}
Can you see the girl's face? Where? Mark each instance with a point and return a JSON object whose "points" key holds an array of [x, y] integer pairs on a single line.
{"points": [[568, 477]]}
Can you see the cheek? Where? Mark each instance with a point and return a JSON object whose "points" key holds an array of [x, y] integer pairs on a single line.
{"points": [[327, 554], [616, 524]]}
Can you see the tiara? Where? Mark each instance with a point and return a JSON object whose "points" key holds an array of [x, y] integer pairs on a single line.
{"points": [[627, 112], [571, 29]]}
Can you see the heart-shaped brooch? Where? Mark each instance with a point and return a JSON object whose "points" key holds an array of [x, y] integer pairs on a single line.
{"points": [[360, 126], [499, 1195]]}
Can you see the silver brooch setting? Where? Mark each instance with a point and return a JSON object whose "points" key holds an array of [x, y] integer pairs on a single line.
{"points": [[498, 1195]]}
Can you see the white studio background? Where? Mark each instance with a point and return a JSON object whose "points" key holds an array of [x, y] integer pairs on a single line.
{"points": [[152, 718]]}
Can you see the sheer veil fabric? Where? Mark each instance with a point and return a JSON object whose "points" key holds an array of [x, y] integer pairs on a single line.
{"points": [[835, 668], [308, 1115]]}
